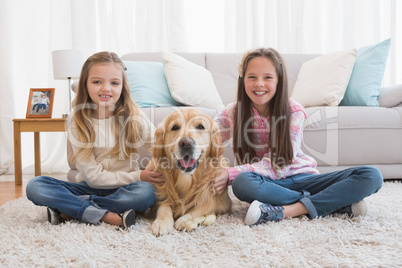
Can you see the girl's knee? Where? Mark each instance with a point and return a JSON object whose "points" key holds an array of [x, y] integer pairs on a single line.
{"points": [[240, 181], [376, 176], [244, 186], [33, 187], [38, 190], [146, 189], [149, 192], [373, 176], [142, 194]]}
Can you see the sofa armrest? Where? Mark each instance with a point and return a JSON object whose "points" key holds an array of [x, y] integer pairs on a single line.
{"points": [[390, 96]]}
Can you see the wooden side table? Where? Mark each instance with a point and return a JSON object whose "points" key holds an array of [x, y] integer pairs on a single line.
{"points": [[36, 125]]}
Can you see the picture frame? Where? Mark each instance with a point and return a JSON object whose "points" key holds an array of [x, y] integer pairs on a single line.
{"points": [[40, 103]]}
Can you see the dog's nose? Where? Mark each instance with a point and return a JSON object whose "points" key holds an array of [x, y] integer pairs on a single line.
{"points": [[186, 142]]}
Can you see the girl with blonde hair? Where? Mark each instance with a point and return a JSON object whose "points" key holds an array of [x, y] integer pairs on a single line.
{"points": [[105, 131]]}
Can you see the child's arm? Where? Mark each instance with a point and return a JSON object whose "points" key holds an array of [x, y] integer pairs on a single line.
{"points": [[225, 123]]}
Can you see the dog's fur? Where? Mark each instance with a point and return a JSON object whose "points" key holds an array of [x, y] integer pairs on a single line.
{"points": [[188, 151]]}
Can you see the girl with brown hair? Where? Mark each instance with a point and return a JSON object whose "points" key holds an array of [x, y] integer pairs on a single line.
{"points": [[273, 173]]}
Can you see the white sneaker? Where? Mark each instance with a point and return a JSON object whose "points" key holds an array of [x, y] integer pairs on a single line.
{"points": [[259, 212], [355, 209], [359, 208]]}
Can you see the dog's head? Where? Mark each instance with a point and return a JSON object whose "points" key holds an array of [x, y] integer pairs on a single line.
{"points": [[185, 138]]}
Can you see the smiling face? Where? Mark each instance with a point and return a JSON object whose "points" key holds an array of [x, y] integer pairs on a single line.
{"points": [[260, 81], [104, 86]]}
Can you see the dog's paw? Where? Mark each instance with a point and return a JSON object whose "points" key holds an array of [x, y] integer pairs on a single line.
{"points": [[209, 219], [190, 225], [180, 223], [185, 222], [162, 227]]}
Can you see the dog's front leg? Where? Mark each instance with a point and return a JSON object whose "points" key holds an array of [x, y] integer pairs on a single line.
{"points": [[163, 223], [189, 221]]}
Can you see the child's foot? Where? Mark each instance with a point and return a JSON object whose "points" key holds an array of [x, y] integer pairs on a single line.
{"points": [[355, 209], [128, 218], [259, 212], [53, 216]]}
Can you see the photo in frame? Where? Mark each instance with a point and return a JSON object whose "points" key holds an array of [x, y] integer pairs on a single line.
{"points": [[40, 103]]}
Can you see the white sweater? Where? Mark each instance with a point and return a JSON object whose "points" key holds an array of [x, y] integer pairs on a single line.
{"points": [[100, 170]]}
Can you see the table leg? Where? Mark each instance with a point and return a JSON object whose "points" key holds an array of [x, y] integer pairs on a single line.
{"points": [[17, 154], [38, 170]]}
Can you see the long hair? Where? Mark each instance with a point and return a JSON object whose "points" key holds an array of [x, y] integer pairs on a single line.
{"points": [[279, 140], [126, 128]]}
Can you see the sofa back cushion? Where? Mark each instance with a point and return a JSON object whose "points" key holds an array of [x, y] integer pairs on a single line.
{"points": [[293, 64], [223, 67], [148, 85]]}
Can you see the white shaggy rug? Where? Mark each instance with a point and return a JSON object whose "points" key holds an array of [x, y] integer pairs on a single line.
{"points": [[28, 240]]}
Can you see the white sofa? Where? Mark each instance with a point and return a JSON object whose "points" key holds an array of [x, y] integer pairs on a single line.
{"points": [[337, 137]]}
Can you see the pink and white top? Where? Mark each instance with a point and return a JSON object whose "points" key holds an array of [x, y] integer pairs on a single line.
{"points": [[260, 127]]}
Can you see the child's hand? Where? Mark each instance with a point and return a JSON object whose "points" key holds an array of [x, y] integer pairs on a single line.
{"points": [[153, 177], [221, 180]]}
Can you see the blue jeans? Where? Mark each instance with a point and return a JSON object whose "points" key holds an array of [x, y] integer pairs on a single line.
{"points": [[84, 203], [321, 194]]}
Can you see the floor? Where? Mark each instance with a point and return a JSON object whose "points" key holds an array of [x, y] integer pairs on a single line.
{"points": [[9, 191]]}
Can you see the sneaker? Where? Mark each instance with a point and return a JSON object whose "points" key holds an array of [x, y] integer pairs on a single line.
{"points": [[53, 216], [355, 209], [259, 212], [128, 218]]}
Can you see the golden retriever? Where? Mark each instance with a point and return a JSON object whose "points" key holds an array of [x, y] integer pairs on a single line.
{"points": [[187, 151]]}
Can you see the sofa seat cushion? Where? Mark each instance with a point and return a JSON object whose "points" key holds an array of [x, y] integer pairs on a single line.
{"points": [[361, 135]]}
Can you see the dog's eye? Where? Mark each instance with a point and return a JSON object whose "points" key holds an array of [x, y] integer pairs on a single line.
{"points": [[175, 127], [201, 127]]}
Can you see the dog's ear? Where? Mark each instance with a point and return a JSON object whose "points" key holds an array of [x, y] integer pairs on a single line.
{"points": [[217, 148], [158, 148]]}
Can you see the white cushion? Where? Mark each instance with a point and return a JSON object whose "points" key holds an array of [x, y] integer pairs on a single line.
{"points": [[390, 96], [322, 81], [189, 83]]}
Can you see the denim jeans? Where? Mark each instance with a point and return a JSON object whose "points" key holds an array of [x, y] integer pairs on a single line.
{"points": [[321, 194], [84, 203]]}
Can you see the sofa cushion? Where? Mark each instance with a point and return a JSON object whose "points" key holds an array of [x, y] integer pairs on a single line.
{"points": [[367, 75], [293, 63], [223, 67], [323, 80], [390, 96], [148, 86], [189, 83], [353, 135]]}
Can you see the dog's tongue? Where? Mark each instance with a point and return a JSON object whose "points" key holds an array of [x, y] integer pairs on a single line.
{"points": [[186, 163]]}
